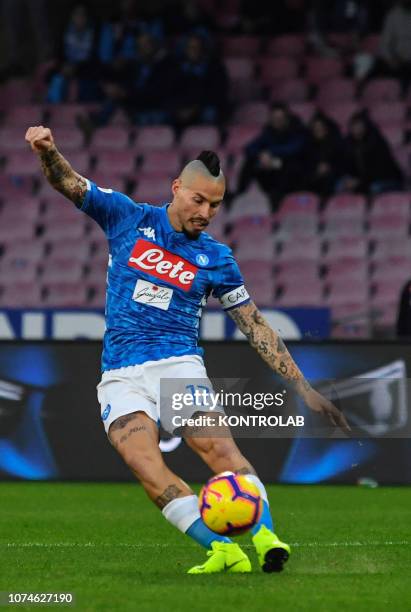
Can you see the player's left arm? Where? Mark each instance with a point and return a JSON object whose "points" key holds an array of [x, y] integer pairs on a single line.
{"points": [[270, 346]]}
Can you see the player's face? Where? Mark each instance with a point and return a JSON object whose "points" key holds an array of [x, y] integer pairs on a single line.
{"points": [[195, 204]]}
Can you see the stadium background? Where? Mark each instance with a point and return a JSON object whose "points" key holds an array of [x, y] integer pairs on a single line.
{"points": [[320, 226]]}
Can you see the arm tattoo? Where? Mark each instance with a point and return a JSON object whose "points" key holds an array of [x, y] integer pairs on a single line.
{"points": [[172, 492], [62, 177], [268, 344]]}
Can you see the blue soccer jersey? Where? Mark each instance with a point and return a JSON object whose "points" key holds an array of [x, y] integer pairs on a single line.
{"points": [[158, 280]]}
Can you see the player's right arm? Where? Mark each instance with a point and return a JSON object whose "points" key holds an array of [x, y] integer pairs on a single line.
{"points": [[56, 168]]}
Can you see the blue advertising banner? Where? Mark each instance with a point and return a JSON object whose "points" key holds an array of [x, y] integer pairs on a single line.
{"points": [[73, 324]]}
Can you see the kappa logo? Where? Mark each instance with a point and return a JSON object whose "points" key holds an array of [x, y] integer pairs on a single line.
{"points": [[156, 261], [148, 232]]}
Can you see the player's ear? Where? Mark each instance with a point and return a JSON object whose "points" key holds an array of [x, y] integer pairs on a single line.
{"points": [[175, 185]]}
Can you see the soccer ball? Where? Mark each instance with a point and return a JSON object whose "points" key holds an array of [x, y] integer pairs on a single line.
{"points": [[230, 503]]}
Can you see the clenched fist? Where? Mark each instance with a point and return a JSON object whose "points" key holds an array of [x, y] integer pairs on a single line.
{"points": [[39, 138]]}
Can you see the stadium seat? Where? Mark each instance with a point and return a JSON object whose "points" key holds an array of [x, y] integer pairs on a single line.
{"points": [[56, 270], [289, 91], [239, 68], [11, 231], [24, 116], [65, 295], [239, 136], [273, 69], [240, 46], [319, 69], [301, 294], [64, 230], [394, 133], [121, 163], [393, 205], [347, 269], [386, 227], [257, 271], [66, 115], [58, 209], [345, 206], [198, 138], [21, 295], [108, 181], [17, 269], [110, 138], [17, 91], [298, 214], [161, 163], [76, 249], [386, 248], [296, 271], [287, 45], [371, 43], [22, 163], [346, 248], [153, 192], [252, 227], [30, 249], [392, 269], [253, 202], [353, 291], [303, 110], [262, 292], [341, 112], [98, 294], [305, 248], [28, 207], [252, 113], [387, 112], [160, 137], [12, 139], [335, 91], [243, 90], [381, 90], [70, 139], [80, 161], [15, 187], [245, 250]]}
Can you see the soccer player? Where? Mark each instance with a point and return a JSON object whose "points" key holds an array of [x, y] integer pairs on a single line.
{"points": [[162, 267]]}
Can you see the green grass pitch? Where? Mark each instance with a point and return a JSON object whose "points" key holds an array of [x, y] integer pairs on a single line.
{"points": [[351, 550]]}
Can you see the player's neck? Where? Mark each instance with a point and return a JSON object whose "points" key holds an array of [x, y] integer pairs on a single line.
{"points": [[173, 218]]}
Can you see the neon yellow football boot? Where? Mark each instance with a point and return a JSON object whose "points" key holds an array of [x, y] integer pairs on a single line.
{"points": [[272, 553], [224, 557]]}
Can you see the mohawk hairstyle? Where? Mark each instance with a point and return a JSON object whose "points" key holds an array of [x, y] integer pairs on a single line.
{"points": [[211, 162]]}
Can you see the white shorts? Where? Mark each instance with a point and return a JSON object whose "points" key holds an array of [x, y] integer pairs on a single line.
{"points": [[137, 388]]}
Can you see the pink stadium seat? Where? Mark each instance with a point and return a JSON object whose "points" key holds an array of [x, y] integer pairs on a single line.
{"points": [[14, 92], [253, 226], [239, 136], [307, 248], [24, 116], [262, 293], [107, 181], [12, 139], [161, 163], [64, 230], [153, 192], [121, 163], [15, 188], [381, 90], [303, 110], [252, 113], [388, 112], [301, 294], [98, 297], [70, 139], [257, 270], [289, 91], [298, 213], [160, 137], [246, 250], [394, 133], [386, 227], [341, 112], [273, 69], [253, 202], [335, 91], [80, 161], [16, 269], [16, 208], [11, 231], [22, 163], [75, 249], [240, 46], [392, 269], [239, 68], [243, 90], [347, 292], [288, 45], [110, 138], [288, 272], [97, 270], [65, 294], [21, 295], [200, 137], [384, 249], [29, 249], [345, 206], [347, 269], [345, 248], [319, 69], [393, 205], [56, 270], [65, 115], [57, 210]]}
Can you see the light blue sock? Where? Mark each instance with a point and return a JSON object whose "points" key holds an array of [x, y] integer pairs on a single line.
{"points": [[184, 514], [203, 535], [265, 518]]}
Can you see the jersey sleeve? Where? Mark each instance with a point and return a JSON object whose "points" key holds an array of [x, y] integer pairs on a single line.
{"points": [[229, 286], [109, 208]]}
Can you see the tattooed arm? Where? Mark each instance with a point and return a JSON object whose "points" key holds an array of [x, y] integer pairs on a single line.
{"points": [[272, 349], [56, 168]]}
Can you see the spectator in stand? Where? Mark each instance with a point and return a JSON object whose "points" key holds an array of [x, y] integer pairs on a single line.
{"points": [[200, 85], [368, 162], [141, 87], [395, 49], [276, 157], [78, 60], [324, 155], [272, 18], [118, 36], [185, 16]]}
